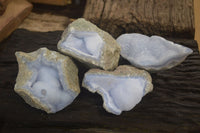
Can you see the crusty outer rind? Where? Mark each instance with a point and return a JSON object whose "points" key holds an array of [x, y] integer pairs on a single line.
{"points": [[32, 100]]}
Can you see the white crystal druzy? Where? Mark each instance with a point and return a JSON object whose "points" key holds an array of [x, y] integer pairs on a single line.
{"points": [[84, 43], [151, 53], [48, 88]]}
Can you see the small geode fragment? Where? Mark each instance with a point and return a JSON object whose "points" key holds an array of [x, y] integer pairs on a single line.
{"points": [[87, 43], [151, 53], [46, 79], [121, 89]]}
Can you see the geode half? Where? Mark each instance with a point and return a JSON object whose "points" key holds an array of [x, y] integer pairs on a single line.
{"points": [[151, 53], [121, 89], [46, 79], [87, 43]]}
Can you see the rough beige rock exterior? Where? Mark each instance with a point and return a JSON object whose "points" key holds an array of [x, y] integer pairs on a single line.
{"points": [[124, 71], [111, 50], [68, 67]]}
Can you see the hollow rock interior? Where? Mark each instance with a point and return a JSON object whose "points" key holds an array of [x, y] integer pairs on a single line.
{"points": [[47, 87], [84, 43], [119, 93]]}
